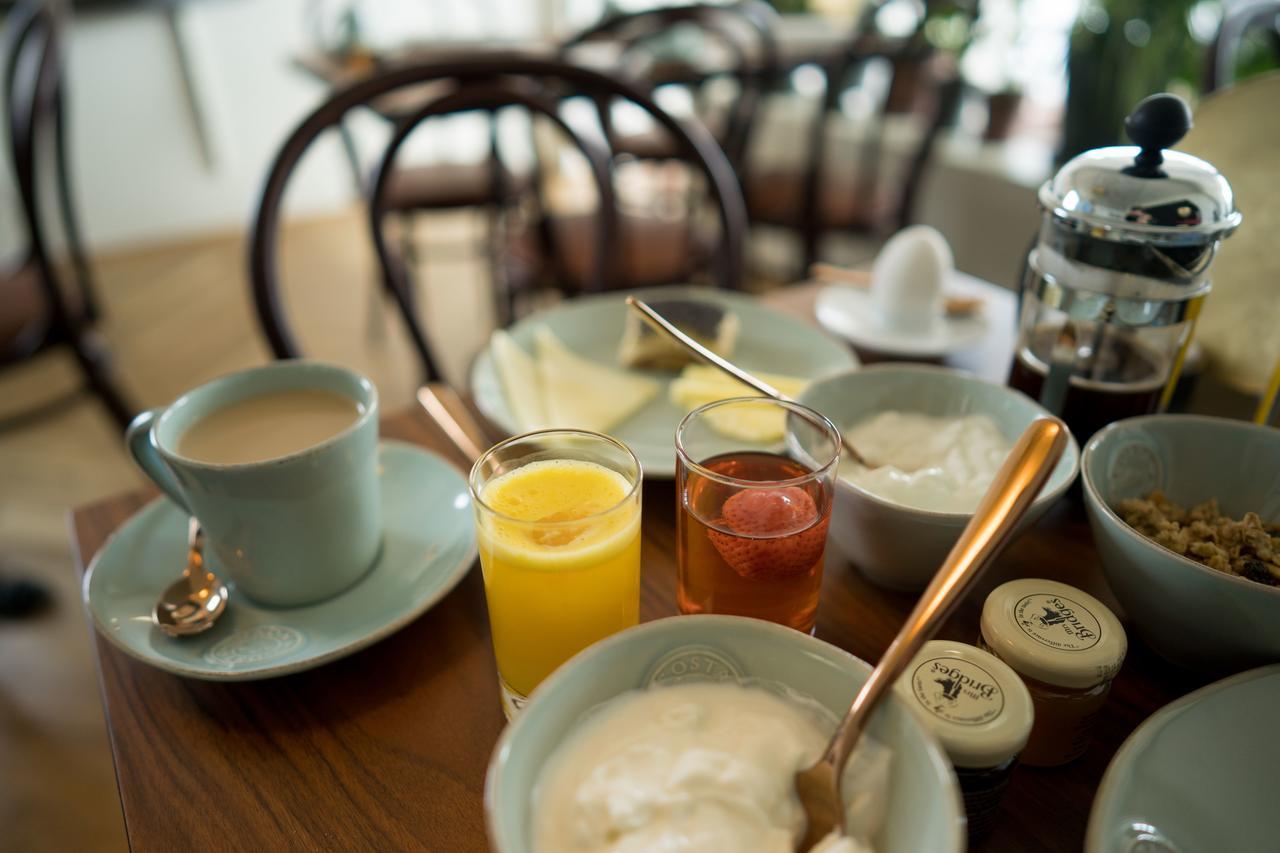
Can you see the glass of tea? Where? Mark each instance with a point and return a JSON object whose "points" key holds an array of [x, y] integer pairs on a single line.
{"points": [[558, 529], [755, 480]]}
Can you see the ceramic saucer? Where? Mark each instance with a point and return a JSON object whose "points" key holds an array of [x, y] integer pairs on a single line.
{"points": [[850, 313], [428, 546]]}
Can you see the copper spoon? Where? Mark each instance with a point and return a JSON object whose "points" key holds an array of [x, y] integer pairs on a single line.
{"points": [[1015, 487], [666, 327], [191, 604]]}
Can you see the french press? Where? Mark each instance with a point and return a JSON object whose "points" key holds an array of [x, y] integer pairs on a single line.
{"points": [[1113, 286]]}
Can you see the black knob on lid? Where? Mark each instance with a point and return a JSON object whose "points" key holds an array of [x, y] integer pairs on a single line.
{"points": [[1156, 123]]}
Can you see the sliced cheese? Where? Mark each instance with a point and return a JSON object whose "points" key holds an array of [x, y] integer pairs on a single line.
{"points": [[702, 384], [520, 382], [582, 394]]}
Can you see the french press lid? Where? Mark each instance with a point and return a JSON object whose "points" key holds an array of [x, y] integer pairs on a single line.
{"points": [[1141, 208]]}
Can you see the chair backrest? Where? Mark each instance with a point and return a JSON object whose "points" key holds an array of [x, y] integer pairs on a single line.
{"points": [[1240, 19], [940, 84], [36, 122], [745, 29], [488, 82]]}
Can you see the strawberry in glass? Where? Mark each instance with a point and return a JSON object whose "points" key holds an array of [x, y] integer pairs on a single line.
{"points": [[752, 522]]}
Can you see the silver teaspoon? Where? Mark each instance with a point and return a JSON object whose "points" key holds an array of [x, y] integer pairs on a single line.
{"points": [[191, 604], [666, 327], [1010, 494]]}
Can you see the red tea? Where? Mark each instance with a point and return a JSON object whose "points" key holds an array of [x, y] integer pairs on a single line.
{"points": [[752, 550]]}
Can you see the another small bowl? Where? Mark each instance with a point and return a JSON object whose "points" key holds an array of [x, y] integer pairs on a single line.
{"points": [[1191, 614], [899, 546], [925, 811]]}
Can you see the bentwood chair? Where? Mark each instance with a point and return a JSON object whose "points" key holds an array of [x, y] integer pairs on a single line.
{"points": [[736, 42], [487, 83], [1241, 21], [40, 307], [811, 199]]}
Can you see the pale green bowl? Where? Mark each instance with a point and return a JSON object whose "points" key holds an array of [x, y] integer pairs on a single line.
{"points": [[897, 546], [925, 812], [1191, 614]]}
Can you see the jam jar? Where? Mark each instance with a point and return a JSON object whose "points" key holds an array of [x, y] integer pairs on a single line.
{"points": [[1067, 646], [981, 713]]}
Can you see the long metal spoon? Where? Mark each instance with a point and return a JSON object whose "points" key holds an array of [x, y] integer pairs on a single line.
{"points": [[193, 603], [1011, 493], [666, 327]]}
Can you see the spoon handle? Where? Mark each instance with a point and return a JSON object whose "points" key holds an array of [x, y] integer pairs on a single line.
{"points": [[453, 426], [1011, 493], [195, 571], [666, 327]]}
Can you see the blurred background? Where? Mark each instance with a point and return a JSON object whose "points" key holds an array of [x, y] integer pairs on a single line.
{"points": [[169, 114]]}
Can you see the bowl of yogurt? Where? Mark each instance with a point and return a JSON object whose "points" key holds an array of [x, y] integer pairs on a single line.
{"points": [[935, 438], [685, 733]]}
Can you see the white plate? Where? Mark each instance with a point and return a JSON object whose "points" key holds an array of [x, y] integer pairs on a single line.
{"points": [[850, 313], [768, 341]]}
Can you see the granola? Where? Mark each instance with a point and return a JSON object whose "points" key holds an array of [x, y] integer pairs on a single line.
{"points": [[1246, 548]]}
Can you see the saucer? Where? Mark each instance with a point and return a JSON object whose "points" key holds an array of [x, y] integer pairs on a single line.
{"points": [[850, 313], [428, 545]]}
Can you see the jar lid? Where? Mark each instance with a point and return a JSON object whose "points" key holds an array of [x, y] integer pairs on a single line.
{"points": [[1053, 633], [971, 700], [1142, 193]]}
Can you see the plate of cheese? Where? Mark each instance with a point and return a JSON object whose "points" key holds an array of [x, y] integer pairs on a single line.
{"points": [[592, 364]]}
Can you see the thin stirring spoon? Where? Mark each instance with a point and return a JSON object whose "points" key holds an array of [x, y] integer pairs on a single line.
{"points": [[666, 327], [191, 604], [460, 434], [1011, 493]]}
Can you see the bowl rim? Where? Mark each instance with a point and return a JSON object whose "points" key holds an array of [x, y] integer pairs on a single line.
{"points": [[501, 750], [1094, 498], [1147, 730], [1046, 496]]}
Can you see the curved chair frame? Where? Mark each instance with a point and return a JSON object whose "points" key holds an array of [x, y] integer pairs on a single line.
{"points": [[632, 29], [693, 139], [1240, 19], [36, 115], [490, 97]]}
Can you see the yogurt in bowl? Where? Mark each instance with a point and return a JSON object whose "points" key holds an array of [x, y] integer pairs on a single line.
{"points": [[898, 532], [944, 464], [920, 801], [697, 766]]}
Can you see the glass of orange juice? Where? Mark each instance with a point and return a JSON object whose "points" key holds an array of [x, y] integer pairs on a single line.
{"points": [[558, 527]]}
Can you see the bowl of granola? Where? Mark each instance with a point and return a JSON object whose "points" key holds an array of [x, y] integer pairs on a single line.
{"points": [[1185, 512]]}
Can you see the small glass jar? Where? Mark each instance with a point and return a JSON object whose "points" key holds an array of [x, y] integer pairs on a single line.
{"points": [[1067, 646], [980, 711]]}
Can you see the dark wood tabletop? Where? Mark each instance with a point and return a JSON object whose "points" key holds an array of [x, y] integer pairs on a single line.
{"points": [[387, 749]]}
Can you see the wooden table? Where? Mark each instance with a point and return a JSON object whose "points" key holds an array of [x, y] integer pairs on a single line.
{"points": [[387, 749]]}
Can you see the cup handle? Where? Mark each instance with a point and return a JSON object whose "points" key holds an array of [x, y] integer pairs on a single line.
{"points": [[143, 449]]}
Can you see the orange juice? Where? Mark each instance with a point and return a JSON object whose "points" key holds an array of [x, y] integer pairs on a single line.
{"points": [[560, 550]]}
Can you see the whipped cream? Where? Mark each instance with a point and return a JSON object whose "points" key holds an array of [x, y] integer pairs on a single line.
{"points": [[943, 464], [694, 767]]}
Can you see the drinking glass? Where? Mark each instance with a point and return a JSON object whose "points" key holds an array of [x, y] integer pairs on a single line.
{"points": [[752, 513], [558, 529]]}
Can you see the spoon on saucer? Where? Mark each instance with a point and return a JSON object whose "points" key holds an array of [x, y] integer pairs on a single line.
{"points": [[191, 604], [1011, 493], [666, 327]]}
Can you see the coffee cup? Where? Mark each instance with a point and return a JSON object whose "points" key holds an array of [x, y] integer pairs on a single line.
{"points": [[279, 465]]}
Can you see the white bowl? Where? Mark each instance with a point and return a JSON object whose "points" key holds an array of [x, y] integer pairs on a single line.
{"points": [[925, 811], [898, 546]]}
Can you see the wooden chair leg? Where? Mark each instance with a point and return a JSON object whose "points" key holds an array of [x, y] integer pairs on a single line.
{"points": [[95, 363]]}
